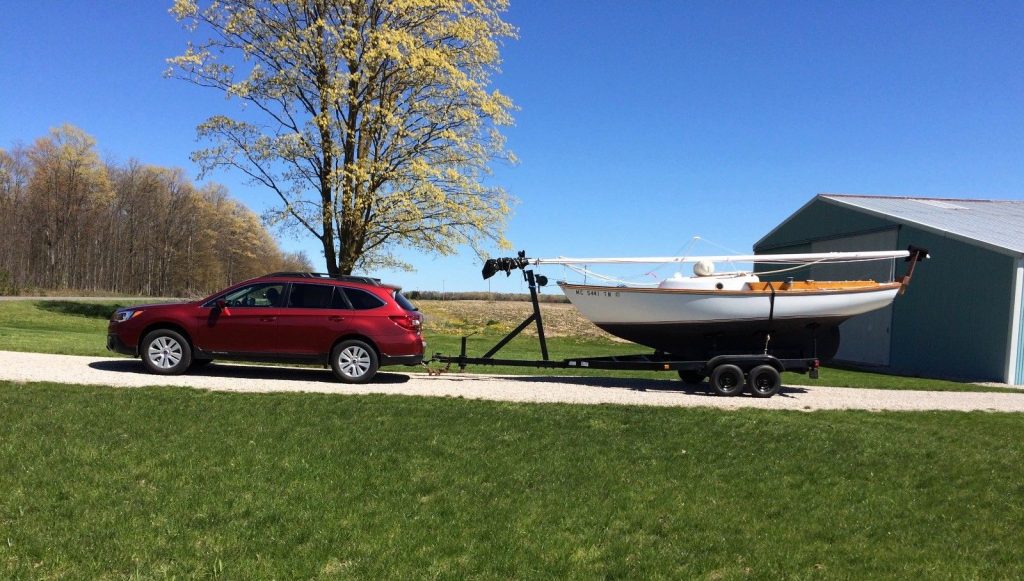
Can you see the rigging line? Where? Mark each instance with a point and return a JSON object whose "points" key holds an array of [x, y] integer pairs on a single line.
{"points": [[716, 245], [809, 264], [682, 251], [587, 272]]}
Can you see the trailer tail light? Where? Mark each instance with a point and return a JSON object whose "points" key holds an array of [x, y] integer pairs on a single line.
{"points": [[407, 322]]}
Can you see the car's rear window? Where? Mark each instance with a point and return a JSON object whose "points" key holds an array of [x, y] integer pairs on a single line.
{"points": [[362, 300], [404, 302]]}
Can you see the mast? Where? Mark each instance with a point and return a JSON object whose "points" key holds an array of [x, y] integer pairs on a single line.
{"points": [[507, 265], [812, 257]]}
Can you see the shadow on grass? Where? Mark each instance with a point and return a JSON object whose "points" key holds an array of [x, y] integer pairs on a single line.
{"points": [[228, 370], [636, 384], [91, 310]]}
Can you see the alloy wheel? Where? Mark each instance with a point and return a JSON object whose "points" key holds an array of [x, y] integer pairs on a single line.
{"points": [[354, 361], [165, 352]]}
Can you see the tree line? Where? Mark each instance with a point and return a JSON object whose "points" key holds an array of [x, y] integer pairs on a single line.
{"points": [[71, 221]]}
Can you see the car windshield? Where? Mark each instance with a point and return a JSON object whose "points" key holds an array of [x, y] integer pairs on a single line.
{"points": [[404, 302]]}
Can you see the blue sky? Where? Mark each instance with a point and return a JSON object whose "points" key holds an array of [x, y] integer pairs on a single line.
{"points": [[642, 124]]}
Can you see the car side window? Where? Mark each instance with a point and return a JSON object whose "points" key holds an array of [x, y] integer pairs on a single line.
{"points": [[310, 296], [255, 295], [362, 300], [339, 300]]}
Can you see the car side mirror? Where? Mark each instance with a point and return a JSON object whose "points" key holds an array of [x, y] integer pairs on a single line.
{"points": [[223, 307]]}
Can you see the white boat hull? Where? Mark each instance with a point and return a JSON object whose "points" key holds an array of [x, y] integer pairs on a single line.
{"points": [[694, 323], [610, 305]]}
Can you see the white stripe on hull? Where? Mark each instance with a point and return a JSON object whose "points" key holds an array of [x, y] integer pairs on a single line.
{"points": [[620, 305]]}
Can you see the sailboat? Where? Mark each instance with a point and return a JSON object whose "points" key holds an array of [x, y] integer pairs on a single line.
{"points": [[709, 313]]}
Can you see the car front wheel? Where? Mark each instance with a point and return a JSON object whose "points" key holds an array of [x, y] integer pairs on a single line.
{"points": [[354, 361], [166, 352]]}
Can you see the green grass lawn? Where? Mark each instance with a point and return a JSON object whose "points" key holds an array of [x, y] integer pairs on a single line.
{"points": [[67, 328], [79, 328], [164, 482]]}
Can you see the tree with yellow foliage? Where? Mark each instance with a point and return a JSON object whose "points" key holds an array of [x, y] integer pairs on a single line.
{"points": [[372, 120]]}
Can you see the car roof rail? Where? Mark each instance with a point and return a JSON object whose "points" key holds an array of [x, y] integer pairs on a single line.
{"points": [[341, 277]]}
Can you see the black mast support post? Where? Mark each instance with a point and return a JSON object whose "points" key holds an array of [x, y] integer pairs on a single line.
{"points": [[462, 354], [531, 280]]}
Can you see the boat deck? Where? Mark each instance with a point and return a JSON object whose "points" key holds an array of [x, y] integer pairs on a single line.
{"points": [[816, 285]]}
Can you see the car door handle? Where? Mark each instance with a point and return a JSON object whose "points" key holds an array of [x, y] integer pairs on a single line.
{"points": [[268, 319], [335, 318]]}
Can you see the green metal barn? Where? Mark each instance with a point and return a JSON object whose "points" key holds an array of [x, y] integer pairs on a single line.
{"points": [[961, 317]]}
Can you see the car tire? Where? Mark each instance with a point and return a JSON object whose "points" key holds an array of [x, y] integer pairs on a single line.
{"points": [[354, 361], [166, 352]]}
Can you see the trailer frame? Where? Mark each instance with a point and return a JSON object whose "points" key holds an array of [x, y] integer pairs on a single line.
{"points": [[729, 373]]}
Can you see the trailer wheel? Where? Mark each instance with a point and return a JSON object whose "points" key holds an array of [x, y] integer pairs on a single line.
{"points": [[691, 377], [764, 381], [727, 380]]}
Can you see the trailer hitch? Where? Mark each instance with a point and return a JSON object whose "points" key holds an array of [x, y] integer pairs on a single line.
{"points": [[434, 372]]}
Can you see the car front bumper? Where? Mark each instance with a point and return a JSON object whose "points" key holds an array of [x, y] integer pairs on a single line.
{"points": [[115, 344]]}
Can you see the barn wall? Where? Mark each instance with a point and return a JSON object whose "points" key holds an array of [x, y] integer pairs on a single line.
{"points": [[952, 322], [955, 319]]}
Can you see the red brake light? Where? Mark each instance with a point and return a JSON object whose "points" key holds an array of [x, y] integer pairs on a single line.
{"points": [[407, 322]]}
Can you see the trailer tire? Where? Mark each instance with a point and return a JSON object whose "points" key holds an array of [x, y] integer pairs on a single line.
{"points": [[727, 380], [690, 377], [764, 381]]}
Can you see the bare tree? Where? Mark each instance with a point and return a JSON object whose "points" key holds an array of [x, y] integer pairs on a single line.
{"points": [[69, 221]]}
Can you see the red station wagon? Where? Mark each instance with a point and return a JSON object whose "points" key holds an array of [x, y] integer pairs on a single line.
{"points": [[354, 324]]}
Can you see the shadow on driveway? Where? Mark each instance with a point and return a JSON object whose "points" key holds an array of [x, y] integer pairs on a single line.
{"points": [[652, 385], [244, 372]]}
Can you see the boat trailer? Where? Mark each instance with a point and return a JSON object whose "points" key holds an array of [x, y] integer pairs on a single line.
{"points": [[728, 374]]}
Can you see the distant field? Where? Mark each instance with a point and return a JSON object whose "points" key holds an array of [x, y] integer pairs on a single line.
{"points": [[79, 328]]}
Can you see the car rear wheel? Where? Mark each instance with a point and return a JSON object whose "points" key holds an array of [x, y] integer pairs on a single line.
{"points": [[354, 361], [166, 352]]}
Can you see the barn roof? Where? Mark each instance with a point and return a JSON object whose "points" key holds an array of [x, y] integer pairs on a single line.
{"points": [[997, 224]]}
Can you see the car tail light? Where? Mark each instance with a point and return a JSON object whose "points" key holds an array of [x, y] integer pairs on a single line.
{"points": [[407, 322]]}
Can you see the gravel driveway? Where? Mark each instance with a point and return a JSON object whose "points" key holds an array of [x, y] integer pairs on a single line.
{"points": [[121, 372]]}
